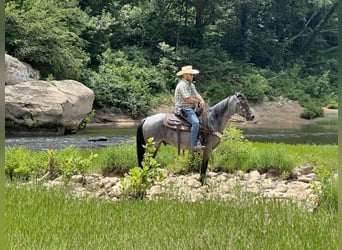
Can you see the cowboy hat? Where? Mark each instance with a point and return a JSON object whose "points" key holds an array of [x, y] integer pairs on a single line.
{"points": [[187, 70]]}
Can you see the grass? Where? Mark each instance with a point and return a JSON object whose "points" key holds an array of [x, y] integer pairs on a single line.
{"points": [[119, 159], [327, 121], [51, 219]]}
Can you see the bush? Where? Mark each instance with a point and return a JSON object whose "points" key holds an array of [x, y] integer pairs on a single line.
{"points": [[20, 163], [136, 183], [237, 153], [123, 84], [255, 87], [312, 111], [233, 152], [24, 164]]}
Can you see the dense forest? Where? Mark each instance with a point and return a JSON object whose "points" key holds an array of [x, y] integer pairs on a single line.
{"points": [[128, 51]]}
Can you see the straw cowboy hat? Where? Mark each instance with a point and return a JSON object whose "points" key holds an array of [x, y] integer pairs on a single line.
{"points": [[187, 70]]}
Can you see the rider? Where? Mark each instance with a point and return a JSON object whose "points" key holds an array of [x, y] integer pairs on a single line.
{"points": [[186, 99]]}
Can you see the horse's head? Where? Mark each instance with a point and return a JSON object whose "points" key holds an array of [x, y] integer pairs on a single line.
{"points": [[242, 107]]}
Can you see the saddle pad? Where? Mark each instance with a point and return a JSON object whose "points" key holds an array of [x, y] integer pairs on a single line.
{"points": [[172, 121]]}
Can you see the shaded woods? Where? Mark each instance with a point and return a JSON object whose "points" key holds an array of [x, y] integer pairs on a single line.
{"points": [[128, 51]]}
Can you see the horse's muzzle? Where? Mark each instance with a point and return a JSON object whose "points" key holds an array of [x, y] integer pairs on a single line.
{"points": [[250, 118]]}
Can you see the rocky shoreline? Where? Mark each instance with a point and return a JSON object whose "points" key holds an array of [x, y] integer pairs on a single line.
{"points": [[299, 188]]}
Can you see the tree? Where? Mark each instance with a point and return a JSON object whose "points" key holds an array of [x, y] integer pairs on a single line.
{"points": [[48, 36]]}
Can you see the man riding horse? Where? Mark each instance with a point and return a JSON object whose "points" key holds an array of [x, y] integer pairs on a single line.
{"points": [[186, 99]]}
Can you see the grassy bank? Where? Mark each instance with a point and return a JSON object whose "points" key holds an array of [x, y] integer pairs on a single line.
{"points": [[50, 219], [26, 164]]}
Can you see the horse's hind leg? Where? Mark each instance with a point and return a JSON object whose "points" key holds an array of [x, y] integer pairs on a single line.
{"points": [[204, 168]]}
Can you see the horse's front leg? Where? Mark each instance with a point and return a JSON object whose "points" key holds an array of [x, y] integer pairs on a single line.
{"points": [[204, 167]]}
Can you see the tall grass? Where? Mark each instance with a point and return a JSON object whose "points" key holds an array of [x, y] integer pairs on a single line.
{"points": [[246, 156], [51, 219]]}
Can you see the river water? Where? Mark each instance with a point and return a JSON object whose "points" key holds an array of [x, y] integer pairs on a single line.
{"points": [[115, 136]]}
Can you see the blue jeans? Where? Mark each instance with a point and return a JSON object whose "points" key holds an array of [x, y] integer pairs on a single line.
{"points": [[192, 118]]}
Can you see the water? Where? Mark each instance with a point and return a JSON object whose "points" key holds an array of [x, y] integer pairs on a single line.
{"points": [[116, 136], [308, 134]]}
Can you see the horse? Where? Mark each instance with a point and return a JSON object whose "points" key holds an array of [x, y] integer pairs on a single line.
{"points": [[216, 119]]}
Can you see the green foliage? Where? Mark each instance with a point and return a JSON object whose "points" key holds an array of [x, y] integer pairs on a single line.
{"points": [[48, 36], [273, 158], [136, 183], [73, 163], [88, 118], [24, 164], [260, 48], [116, 160], [233, 151], [237, 153], [255, 87], [312, 111], [124, 84], [327, 192]]}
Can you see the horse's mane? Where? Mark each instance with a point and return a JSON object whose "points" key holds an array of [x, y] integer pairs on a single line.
{"points": [[216, 112]]}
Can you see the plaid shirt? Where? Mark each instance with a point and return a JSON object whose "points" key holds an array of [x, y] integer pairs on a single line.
{"points": [[184, 90]]}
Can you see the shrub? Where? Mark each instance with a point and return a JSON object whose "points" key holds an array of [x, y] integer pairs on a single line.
{"points": [[21, 165], [312, 111], [71, 164], [124, 85], [237, 153], [255, 86], [138, 180], [233, 152]]}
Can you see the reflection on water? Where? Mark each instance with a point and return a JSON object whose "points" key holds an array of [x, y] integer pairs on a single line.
{"points": [[304, 135], [115, 136]]}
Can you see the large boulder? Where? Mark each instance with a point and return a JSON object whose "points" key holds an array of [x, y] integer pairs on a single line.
{"points": [[17, 71], [43, 107]]}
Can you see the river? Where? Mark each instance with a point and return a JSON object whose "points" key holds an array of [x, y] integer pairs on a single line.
{"points": [[309, 134]]}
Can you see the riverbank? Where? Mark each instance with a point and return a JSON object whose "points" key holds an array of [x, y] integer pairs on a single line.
{"points": [[281, 113]]}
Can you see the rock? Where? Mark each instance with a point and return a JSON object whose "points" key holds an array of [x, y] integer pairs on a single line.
{"points": [[98, 138], [56, 107], [77, 178], [17, 72], [188, 188], [254, 176], [33, 106], [295, 173], [155, 191]]}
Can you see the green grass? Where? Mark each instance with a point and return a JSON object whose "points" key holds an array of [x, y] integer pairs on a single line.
{"points": [[119, 159], [51, 219], [327, 121]]}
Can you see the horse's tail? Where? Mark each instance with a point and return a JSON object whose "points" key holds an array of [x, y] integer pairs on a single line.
{"points": [[140, 142]]}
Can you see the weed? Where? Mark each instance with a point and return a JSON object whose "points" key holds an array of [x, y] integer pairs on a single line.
{"points": [[136, 183]]}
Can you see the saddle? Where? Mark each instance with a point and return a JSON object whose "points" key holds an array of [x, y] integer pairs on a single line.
{"points": [[176, 122]]}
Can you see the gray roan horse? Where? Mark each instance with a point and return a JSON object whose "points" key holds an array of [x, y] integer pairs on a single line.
{"points": [[215, 120]]}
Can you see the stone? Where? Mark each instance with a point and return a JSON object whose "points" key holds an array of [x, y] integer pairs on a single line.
{"points": [[188, 188], [304, 170], [17, 71], [281, 188], [33, 106], [155, 191], [77, 178], [98, 138]]}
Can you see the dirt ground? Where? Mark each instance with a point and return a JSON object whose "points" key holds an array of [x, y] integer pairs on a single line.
{"points": [[279, 113]]}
